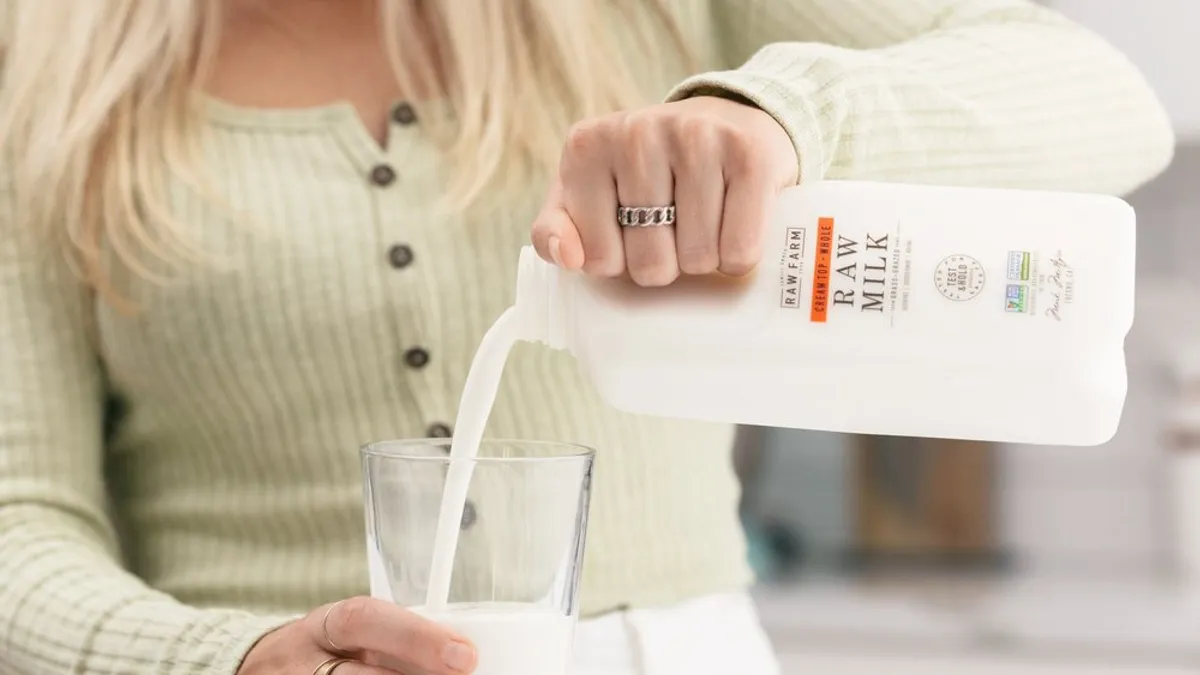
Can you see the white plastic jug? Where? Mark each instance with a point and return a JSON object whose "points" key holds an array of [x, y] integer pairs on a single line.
{"points": [[977, 314]]}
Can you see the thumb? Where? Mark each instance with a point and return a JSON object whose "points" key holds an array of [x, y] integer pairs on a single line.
{"points": [[554, 235]]}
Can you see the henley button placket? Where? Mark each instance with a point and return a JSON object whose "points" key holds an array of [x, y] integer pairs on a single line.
{"points": [[401, 256]]}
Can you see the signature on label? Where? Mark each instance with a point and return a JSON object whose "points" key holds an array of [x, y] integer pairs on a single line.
{"points": [[1060, 284]]}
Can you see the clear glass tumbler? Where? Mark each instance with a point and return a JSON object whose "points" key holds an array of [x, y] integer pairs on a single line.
{"points": [[515, 577]]}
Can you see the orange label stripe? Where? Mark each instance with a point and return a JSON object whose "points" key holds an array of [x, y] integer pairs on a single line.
{"points": [[821, 269]]}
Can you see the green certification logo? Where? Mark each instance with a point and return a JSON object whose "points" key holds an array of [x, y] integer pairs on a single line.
{"points": [[1018, 265], [1016, 298]]}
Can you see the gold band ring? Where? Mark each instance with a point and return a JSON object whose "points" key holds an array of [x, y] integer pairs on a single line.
{"points": [[331, 665], [325, 629]]}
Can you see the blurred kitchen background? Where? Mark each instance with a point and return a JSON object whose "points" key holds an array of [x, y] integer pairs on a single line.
{"points": [[905, 556]]}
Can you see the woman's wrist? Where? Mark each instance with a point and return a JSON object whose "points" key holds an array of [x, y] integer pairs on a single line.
{"points": [[238, 636]]}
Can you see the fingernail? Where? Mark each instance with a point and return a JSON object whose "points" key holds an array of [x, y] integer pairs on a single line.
{"points": [[555, 255], [458, 656]]}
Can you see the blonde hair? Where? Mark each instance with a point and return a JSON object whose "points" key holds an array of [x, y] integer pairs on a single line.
{"points": [[97, 104]]}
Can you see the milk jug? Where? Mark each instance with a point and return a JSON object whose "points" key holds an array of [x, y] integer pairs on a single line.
{"points": [[977, 314]]}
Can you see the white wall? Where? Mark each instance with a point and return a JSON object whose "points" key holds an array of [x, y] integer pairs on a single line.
{"points": [[1161, 37]]}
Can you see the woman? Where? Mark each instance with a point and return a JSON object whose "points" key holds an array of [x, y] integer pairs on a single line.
{"points": [[267, 232]]}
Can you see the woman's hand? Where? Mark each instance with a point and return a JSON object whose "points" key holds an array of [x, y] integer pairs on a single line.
{"points": [[373, 636], [721, 163]]}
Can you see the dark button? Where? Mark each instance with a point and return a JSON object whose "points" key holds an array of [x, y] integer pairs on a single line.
{"points": [[400, 256], [469, 516], [416, 357], [383, 175], [404, 114], [439, 430]]}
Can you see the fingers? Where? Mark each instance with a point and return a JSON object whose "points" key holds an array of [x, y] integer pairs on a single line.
{"points": [[554, 235], [749, 197], [366, 624], [699, 198], [589, 197], [643, 173]]}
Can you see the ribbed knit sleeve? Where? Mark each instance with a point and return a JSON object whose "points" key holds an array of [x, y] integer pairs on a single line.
{"points": [[999, 92], [66, 604]]}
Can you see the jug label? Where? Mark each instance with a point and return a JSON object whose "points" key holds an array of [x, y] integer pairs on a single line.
{"points": [[860, 272], [834, 269]]}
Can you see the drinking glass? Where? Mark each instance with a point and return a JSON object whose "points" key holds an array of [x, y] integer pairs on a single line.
{"points": [[515, 576]]}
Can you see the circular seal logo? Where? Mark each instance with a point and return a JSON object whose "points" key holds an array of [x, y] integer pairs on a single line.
{"points": [[959, 277]]}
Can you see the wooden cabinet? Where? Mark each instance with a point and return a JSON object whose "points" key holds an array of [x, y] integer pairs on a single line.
{"points": [[923, 504]]}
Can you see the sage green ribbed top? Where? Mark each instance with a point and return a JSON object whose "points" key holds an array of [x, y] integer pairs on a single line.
{"points": [[228, 496]]}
